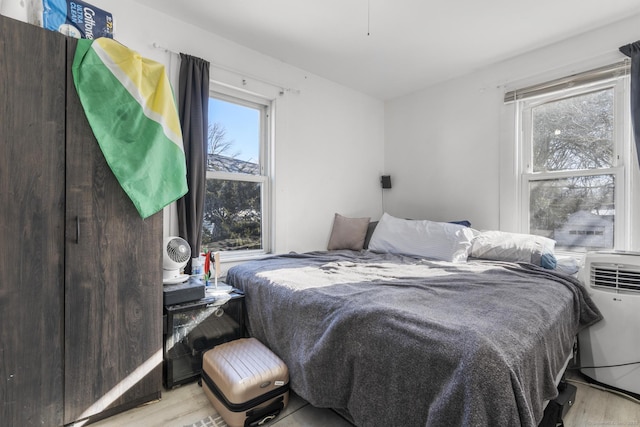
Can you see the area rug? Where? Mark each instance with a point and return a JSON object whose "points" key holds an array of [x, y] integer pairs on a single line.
{"points": [[211, 421]]}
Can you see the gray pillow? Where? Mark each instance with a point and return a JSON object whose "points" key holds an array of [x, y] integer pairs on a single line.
{"points": [[370, 229], [348, 233]]}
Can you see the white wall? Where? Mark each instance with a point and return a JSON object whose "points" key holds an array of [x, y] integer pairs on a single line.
{"points": [[441, 151], [443, 144], [329, 139]]}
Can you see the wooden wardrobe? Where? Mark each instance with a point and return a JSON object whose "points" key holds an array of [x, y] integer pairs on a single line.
{"points": [[80, 271]]}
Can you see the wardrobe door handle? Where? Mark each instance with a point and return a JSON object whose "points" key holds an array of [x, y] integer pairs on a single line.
{"points": [[77, 230]]}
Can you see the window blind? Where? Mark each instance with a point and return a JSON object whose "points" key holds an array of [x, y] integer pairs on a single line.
{"points": [[592, 76]]}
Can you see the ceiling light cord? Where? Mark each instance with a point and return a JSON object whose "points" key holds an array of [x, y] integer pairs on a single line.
{"points": [[368, 17]]}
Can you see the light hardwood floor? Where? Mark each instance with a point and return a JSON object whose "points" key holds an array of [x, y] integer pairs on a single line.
{"points": [[598, 408], [187, 405]]}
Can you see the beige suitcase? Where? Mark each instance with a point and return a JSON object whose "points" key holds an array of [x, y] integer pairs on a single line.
{"points": [[245, 381]]}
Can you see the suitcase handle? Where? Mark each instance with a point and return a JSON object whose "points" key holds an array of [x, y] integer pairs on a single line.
{"points": [[266, 419], [259, 417]]}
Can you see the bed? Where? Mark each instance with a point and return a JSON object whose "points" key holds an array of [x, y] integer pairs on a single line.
{"points": [[391, 339]]}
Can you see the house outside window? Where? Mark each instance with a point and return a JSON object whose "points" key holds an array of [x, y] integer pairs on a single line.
{"points": [[573, 151], [238, 194]]}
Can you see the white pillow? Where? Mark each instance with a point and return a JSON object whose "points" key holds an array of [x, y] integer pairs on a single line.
{"points": [[513, 247], [438, 240]]}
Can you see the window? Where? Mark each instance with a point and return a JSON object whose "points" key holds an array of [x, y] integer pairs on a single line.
{"points": [[574, 146], [237, 197]]}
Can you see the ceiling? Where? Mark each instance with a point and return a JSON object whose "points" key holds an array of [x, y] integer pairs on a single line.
{"points": [[390, 48]]}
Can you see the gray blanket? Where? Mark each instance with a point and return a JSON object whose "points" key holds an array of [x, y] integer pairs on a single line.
{"points": [[397, 341]]}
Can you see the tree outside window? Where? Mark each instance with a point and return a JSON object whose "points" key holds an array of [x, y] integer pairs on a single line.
{"points": [[235, 193], [571, 168]]}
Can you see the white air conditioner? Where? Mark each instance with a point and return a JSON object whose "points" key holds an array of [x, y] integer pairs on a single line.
{"points": [[613, 282]]}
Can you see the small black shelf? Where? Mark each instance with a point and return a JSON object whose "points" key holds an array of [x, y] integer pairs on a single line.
{"points": [[194, 327]]}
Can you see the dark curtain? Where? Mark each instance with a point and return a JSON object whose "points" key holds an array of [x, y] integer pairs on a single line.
{"points": [[633, 51], [193, 99]]}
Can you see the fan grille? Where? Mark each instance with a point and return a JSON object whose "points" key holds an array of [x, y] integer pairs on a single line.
{"points": [[178, 250]]}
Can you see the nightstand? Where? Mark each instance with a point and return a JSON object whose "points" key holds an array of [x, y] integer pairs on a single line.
{"points": [[193, 327]]}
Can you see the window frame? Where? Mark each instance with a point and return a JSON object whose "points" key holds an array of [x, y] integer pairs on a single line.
{"points": [[266, 107], [621, 155]]}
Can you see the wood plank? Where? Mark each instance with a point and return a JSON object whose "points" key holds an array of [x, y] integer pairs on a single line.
{"points": [[187, 404], [32, 89], [600, 407]]}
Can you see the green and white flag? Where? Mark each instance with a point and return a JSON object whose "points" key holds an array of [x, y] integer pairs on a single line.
{"points": [[129, 104]]}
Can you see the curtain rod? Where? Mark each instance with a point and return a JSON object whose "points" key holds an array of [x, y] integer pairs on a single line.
{"points": [[608, 71], [233, 70]]}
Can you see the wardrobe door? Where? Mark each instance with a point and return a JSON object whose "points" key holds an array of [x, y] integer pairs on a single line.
{"points": [[32, 97], [113, 279]]}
